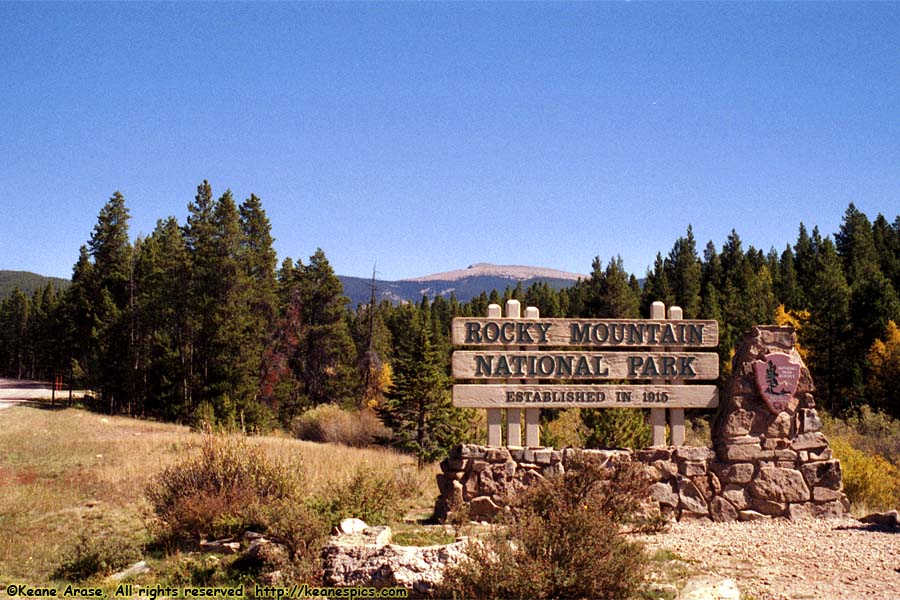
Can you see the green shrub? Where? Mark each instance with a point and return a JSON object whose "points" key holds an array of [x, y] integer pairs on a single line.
{"points": [[331, 424], [877, 432], [870, 482], [697, 431], [221, 492], [374, 496], [563, 428], [97, 552], [299, 527], [616, 428], [564, 538]]}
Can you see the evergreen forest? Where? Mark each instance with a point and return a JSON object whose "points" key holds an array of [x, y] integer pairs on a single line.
{"points": [[199, 323]]}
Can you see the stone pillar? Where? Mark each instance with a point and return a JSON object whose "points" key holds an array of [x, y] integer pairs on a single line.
{"points": [[772, 458]]}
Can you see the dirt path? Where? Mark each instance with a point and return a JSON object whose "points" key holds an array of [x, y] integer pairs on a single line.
{"points": [[779, 559], [20, 391]]}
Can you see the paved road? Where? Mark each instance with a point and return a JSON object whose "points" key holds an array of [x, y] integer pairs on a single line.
{"points": [[19, 391]]}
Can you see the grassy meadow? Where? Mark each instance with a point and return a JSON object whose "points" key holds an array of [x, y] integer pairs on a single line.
{"points": [[65, 471]]}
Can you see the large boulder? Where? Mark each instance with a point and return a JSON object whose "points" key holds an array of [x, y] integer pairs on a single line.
{"points": [[368, 559]]}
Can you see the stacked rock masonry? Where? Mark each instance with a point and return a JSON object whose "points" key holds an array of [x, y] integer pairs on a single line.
{"points": [[774, 464], [764, 462]]}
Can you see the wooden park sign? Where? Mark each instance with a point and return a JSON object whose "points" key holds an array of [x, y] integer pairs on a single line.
{"points": [[532, 363], [582, 332]]}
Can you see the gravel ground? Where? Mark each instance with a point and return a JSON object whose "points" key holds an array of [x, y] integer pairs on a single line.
{"points": [[780, 559]]}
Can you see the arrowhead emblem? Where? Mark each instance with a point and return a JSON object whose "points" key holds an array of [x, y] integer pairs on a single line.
{"points": [[777, 376]]}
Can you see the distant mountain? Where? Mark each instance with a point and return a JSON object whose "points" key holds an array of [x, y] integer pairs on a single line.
{"points": [[27, 282], [511, 272], [465, 283]]}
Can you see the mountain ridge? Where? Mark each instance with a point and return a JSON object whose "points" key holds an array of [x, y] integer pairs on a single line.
{"points": [[27, 282], [465, 284], [513, 272]]}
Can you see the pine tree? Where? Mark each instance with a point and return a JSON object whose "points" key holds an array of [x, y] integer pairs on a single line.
{"points": [[657, 287], [199, 236], [615, 296], [163, 341], [828, 326], [82, 322], [258, 260], [111, 292], [684, 276], [14, 319], [805, 263], [232, 376], [544, 298], [873, 300], [711, 269], [856, 247], [787, 289], [887, 246], [326, 357], [418, 407]]}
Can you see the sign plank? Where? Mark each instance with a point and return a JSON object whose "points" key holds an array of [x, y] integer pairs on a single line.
{"points": [[597, 333], [585, 396], [487, 365]]}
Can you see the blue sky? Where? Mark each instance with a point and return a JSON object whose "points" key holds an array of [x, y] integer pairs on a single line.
{"points": [[429, 136]]}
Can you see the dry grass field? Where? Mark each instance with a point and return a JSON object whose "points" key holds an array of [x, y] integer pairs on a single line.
{"points": [[64, 470]]}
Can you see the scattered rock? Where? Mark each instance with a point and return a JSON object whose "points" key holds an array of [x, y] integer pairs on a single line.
{"points": [[224, 546], [483, 509], [888, 519], [351, 525], [811, 510], [138, 568], [347, 562], [752, 515]]}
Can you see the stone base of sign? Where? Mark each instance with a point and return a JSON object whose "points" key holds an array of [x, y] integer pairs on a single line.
{"points": [[762, 465], [689, 482], [793, 471]]}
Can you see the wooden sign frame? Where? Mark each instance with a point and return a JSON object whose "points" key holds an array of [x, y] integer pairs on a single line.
{"points": [[541, 366], [486, 365]]}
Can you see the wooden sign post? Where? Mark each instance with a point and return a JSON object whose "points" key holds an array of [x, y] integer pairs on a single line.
{"points": [[515, 363]]}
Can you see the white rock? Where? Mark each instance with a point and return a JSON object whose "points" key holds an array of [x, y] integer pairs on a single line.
{"points": [[418, 569], [137, 568], [352, 525], [709, 588]]}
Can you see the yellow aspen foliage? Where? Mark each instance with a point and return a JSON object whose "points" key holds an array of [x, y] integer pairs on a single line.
{"points": [[885, 354], [796, 319], [385, 377], [726, 366], [884, 360], [381, 378], [870, 481]]}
